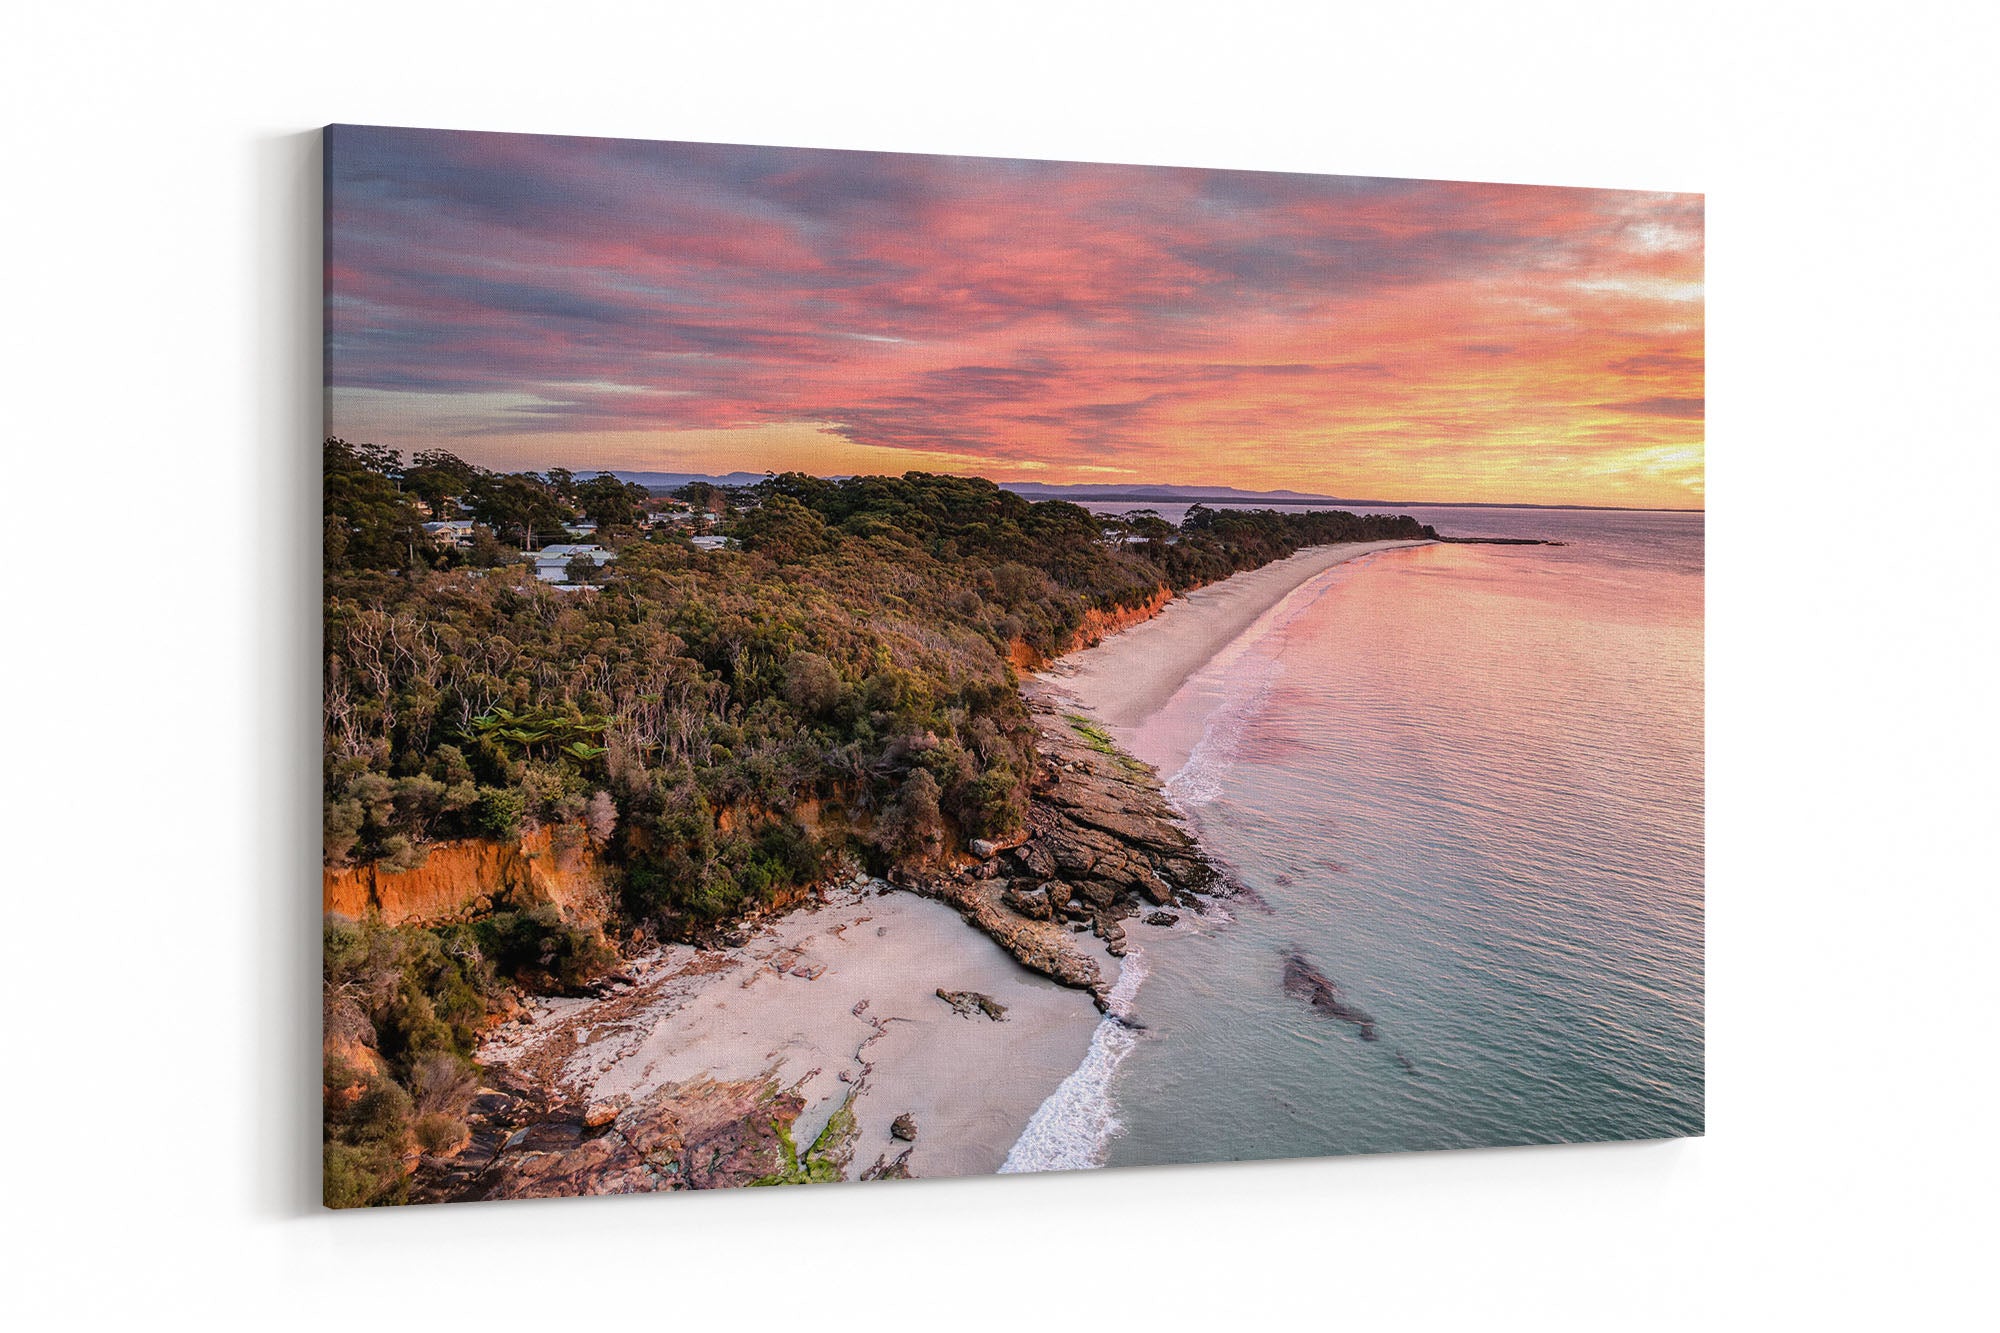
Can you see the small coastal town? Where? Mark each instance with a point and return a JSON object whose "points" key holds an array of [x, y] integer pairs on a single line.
{"points": [[694, 513]]}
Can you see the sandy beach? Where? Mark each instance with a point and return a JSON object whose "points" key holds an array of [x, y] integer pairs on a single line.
{"points": [[837, 1003], [1131, 676], [830, 1000]]}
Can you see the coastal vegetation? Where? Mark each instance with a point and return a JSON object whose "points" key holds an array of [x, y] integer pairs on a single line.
{"points": [[835, 689], [403, 1008]]}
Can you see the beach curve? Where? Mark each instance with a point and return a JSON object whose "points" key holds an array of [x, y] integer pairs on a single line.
{"points": [[1132, 675]]}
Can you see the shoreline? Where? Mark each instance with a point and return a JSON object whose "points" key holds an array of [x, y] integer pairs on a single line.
{"points": [[792, 1055], [789, 1058], [1132, 675]]}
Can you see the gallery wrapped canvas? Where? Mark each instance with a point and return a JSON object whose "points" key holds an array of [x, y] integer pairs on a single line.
{"points": [[855, 666]]}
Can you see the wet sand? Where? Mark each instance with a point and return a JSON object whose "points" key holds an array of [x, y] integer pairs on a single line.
{"points": [[1131, 676], [830, 999]]}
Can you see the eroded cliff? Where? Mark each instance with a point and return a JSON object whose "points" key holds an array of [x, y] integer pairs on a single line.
{"points": [[461, 880]]}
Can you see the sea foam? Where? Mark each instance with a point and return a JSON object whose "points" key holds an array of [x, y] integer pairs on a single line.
{"points": [[1241, 679], [1073, 1128]]}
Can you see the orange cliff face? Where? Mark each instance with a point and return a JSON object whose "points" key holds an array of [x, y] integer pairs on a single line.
{"points": [[1100, 625], [1097, 626], [461, 880]]}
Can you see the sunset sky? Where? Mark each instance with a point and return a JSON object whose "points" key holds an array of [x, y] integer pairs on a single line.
{"points": [[530, 301]]}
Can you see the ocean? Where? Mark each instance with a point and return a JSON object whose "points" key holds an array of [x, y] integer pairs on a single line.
{"points": [[1460, 790]]}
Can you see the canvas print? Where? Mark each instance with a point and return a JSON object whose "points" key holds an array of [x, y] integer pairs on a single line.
{"points": [[857, 666]]}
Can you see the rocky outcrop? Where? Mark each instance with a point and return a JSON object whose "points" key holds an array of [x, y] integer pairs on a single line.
{"points": [[1495, 541], [971, 1003], [1039, 946], [462, 880], [1101, 844], [886, 1169], [703, 1134], [1100, 823], [1305, 982]]}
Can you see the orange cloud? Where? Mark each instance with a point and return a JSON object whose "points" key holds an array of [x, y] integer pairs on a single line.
{"points": [[530, 301]]}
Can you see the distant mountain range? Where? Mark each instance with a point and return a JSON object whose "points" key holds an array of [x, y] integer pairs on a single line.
{"points": [[1114, 493], [1122, 493], [667, 481]]}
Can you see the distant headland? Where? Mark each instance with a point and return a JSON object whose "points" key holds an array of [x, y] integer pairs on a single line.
{"points": [[1148, 494]]}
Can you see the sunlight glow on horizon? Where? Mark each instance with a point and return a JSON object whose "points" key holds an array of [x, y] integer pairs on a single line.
{"points": [[530, 302]]}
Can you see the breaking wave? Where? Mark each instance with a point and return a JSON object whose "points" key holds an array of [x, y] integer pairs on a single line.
{"points": [[1073, 1128]]}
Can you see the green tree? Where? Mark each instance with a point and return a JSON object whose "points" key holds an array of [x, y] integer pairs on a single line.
{"points": [[370, 522], [610, 502], [438, 478], [521, 507], [703, 497]]}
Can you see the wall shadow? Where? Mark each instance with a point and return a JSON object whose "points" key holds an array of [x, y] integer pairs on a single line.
{"points": [[284, 1027]]}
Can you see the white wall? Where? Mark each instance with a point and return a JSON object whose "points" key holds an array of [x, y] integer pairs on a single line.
{"points": [[159, 961]]}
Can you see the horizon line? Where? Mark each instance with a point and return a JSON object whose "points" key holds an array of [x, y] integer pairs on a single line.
{"points": [[1113, 494]]}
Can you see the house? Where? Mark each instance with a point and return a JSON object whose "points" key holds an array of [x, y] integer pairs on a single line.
{"points": [[583, 527], [454, 532], [552, 562], [711, 542]]}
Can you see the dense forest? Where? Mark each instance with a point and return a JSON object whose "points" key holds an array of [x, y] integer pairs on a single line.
{"points": [[851, 649]]}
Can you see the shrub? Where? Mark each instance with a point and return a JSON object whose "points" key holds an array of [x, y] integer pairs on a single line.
{"points": [[992, 805], [356, 1175], [442, 1084], [600, 818], [912, 819], [368, 1136], [342, 830], [440, 1133], [498, 813], [400, 854], [811, 684], [540, 949]]}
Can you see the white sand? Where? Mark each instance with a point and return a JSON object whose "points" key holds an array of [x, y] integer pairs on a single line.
{"points": [[972, 1084], [1131, 676]]}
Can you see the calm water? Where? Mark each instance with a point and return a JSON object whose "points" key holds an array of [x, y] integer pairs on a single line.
{"points": [[1465, 784]]}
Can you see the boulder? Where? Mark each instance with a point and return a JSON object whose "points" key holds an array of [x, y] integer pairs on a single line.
{"points": [[1037, 945], [1305, 982], [884, 1169], [904, 1127], [1113, 936], [1036, 860], [966, 1003], [600, 1114], [1098, 893], [1031, 903]]}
